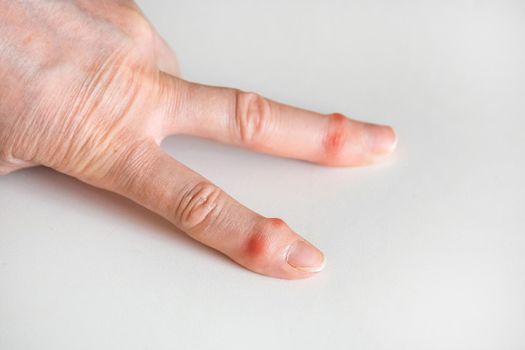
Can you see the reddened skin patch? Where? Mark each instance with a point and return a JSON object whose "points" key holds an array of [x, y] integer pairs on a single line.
{"points": [[257, 245], [259, 242], [335, 136]]}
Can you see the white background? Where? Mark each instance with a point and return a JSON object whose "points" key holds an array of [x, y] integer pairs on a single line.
{"points": [[425, 251]]}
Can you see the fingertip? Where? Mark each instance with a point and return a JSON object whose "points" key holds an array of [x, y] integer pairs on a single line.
{"points": [[381, 139], [393, 145], [304, 257], [274, 249], [349, 142]]}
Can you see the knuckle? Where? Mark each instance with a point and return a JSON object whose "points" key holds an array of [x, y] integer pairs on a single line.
{"points": [[335, 136], [137, 26], [253, 117], [259, 243], [141, 29], [199, 206]]}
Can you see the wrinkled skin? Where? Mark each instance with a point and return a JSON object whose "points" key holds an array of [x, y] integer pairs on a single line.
{"points": [[88, 88]]}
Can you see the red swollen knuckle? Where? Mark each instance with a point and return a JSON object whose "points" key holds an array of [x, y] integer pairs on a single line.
{"points": [[336, 137], [259, 243]]}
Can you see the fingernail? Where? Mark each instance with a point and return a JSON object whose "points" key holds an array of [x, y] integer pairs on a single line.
{"points": [[381, 139], [305, 257]]}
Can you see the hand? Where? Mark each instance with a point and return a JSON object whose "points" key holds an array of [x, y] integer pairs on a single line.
{"points": [[88, 88]]}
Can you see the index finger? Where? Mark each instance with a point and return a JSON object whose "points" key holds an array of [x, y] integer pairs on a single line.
{"points": [[249, 120]]}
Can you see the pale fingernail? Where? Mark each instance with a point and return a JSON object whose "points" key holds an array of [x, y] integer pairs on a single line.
{"points": [[380, 138], [305, 257]]}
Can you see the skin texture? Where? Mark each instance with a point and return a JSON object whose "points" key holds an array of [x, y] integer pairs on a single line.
{"points": [[88, 88]]}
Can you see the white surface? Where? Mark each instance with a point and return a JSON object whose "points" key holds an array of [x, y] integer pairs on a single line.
{"points": [[425, 251]]}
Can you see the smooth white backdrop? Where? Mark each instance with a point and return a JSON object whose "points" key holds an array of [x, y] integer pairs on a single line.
{"points": [[425, 251]]}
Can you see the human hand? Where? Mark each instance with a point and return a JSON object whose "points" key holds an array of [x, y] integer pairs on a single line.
{"points": [[88, 88]]}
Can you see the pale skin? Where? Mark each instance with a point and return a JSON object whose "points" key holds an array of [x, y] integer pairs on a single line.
{"points": [[90, 89]]}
